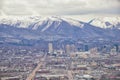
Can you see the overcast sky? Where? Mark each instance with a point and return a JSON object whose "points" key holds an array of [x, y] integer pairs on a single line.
{"points": [[59, 7]]}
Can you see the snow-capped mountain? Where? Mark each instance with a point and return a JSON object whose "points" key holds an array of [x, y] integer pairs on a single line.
{"points": [[55, 28], [20, 22], [25, 22], [106, 22]]}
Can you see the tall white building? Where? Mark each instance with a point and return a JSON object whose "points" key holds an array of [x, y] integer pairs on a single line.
{"points": [[70, 48], [67, 48], [50, 47]]}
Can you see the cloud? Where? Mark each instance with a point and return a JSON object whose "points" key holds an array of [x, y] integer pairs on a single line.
{"points": [[59, 7], [1, 5]]}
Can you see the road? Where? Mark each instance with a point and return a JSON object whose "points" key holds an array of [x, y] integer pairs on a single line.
{"points": [[70, 76], [70, 72], [33, 73]]}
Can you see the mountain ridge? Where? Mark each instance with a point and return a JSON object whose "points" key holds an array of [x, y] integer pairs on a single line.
{"points": [[54, 28]]}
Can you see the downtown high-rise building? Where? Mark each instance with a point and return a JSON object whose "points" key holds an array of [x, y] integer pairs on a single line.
{"points": [[67, 50], [70, 48], [50, 47]]}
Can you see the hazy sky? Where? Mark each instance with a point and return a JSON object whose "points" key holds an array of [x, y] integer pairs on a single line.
{"points": [[59, 7]]}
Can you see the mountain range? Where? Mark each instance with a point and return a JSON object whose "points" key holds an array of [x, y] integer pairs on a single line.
{"points": [[16, 30]]}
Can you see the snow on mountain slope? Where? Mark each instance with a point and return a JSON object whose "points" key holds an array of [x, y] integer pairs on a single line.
{"points": [[20, 22], [37, 21], [106, 22], [25, 22], [46, 22], [59, 27]]}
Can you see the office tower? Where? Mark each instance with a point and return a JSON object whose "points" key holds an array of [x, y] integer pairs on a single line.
{"points": [[50, 47], [86, 48], [119, 49], [72, 48], [116, 46], [67, 50]]}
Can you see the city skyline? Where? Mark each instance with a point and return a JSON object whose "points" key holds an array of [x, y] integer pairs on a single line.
{"points": [[59, 40]]}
